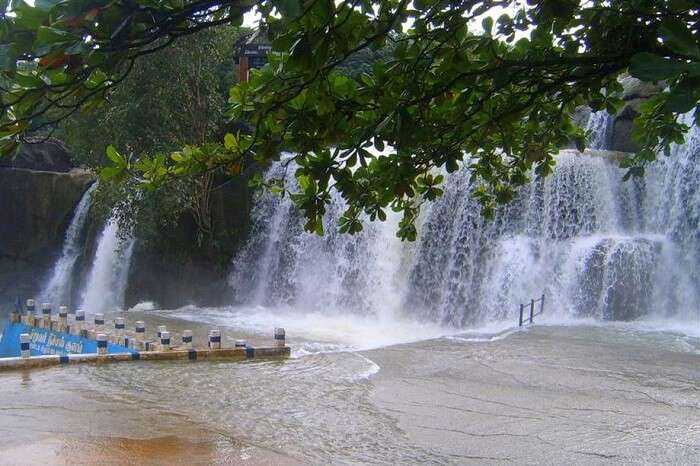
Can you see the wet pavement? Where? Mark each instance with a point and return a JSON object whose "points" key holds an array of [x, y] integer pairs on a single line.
{"points": [[548, 395]]}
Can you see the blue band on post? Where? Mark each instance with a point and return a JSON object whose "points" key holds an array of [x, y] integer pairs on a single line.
{"points": [[79, 318], [215, 339], [64, 359], [102, 344], [119, 326], [24, 346], [165, 341], [187, 339], [99, 322], [279, 337]]}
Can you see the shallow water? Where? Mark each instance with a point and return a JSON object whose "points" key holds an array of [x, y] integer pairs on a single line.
{"points": [[545, 395]]}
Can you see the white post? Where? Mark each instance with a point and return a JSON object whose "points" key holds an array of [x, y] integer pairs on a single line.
{"points": [[63, 318], [140, 329], [29, 315], [99, 321], [279, 337], [119, 325], [165, 341], [214, 339], [101, 343], [79, 321], [187, 339], [24, 340], [161, 329], [46, 314]]}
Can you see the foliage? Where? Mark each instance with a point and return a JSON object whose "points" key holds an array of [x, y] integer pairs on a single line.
{"points": [[176, 97], [459, 87]]}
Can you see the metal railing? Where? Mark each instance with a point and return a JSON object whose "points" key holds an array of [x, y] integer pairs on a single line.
{"points": [[532, 311]]}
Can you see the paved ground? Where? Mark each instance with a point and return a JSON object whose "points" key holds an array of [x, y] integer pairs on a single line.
{"points": [[547, 396], [550, 395]]}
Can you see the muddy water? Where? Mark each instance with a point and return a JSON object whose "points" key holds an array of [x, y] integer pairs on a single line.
{"points": [[553, 394]]}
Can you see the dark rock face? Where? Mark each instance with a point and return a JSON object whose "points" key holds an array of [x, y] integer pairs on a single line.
{"points": [[634, 94], [36, 208], [51, 155], [173, 271]]}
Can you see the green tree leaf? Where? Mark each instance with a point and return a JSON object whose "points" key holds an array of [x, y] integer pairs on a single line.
{"points": [[678, 37], [650, 67]]}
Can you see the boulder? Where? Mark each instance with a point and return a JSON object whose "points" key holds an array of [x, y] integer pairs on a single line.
{"points": [[635, 93], [633, 88], [41, 154]]}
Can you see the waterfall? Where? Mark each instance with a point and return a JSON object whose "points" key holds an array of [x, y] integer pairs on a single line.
{"points": [[106, 284], [596, 246], [600, 125], [283, 265], [58, 288]]}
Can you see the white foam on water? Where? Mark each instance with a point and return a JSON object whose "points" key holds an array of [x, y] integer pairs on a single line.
{"points": [[371, 370], [144, 306], [319, 332]]}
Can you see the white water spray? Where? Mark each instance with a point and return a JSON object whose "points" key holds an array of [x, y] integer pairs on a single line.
{"points": [[106, 285], [600, 124], [58, 288], [284, 266], [597, 247]]}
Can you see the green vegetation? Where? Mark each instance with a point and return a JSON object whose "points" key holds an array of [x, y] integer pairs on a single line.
{"points": [[176, 97], [456, 81]]}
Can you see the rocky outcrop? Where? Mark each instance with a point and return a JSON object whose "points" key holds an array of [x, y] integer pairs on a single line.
{"points": [[619, 138], [41, 154], [37, 207], [634, 94], [173, 271]]}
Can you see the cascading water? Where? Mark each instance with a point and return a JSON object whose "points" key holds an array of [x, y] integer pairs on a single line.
{"points": [[600, 124], [595, 245], [59, 287], [284, 266], [106, 284]]}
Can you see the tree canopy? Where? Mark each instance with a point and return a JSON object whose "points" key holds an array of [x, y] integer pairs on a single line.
{"points": [[176, 97], [490, 84]]}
